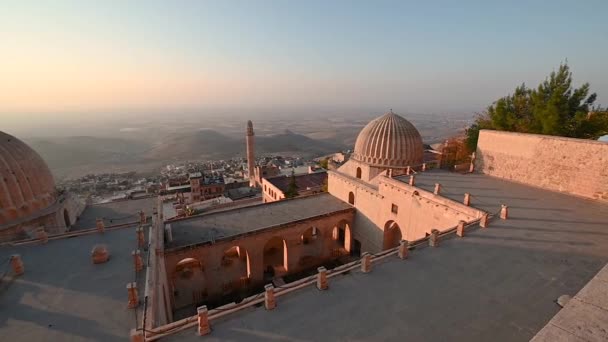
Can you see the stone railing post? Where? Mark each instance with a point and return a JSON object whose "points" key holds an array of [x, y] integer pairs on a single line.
{"points": [[472, 166], [504, 212], [138, 262], [402, 251], [17, 264], [483, 221], [460, 228], [437, 189], [434, 238], [366, 262], [42, 235], [423, 167], [141, 239], [133, 296], [412, 180], [142, 217], [408, 171], [467, 199], [101, 227], [322, 278], [137, 335], [269, 301], [203, 320]]}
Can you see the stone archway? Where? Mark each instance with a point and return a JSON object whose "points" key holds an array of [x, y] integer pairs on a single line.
{"points": [[351, 198], [359, 172], [342, 235], [275, 257], [189, 284], [235, 269], [392, 235], [66, 218], [312, 248]]}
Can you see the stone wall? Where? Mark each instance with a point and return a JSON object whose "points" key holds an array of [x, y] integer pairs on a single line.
{"points": [[217, 272], [415, 211], [573, 166]]}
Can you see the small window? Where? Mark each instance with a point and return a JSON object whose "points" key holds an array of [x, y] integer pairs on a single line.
{"points": [[394, 208], [359, 172]]}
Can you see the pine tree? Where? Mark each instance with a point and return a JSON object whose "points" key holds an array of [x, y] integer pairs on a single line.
{"points": [[553, 108]]}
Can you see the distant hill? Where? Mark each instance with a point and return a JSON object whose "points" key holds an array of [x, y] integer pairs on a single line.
{"points": [[212, 144], [75, 156]]}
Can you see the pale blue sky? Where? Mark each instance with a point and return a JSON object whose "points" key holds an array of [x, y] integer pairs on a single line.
{"points": [[63, 57]]}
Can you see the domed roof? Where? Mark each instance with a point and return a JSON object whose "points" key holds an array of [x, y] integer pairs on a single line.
{"points": [[26, 183], [389, 141]]}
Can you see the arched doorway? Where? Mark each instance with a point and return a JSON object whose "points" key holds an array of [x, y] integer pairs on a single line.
{"points": [[359, 172], [66, 218], [341, 234], [188, 280], [392, 235], [236, 269], [275, 257], [351, 198], [312, 247]]}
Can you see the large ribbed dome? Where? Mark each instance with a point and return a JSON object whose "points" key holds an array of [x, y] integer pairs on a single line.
{"points": [[389, 141], [26, 183]]}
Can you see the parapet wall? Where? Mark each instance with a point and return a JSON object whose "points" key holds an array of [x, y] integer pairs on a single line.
{"points": [[574, 166]]}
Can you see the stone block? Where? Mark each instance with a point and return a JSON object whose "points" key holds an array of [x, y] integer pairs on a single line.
{"points": [[269, 300], [322, 278], [203, 320]]}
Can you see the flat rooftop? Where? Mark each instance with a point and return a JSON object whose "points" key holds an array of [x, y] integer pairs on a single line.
{"points": [[495, 284], [115, 212], [63, 296], [228, 223]]}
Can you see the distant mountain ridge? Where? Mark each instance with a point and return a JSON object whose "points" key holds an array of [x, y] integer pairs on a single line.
{"points": [[72, 156]]}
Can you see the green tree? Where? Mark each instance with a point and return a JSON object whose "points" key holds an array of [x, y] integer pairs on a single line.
{"points": [[292, 187], [323, 163], [553, 108]]}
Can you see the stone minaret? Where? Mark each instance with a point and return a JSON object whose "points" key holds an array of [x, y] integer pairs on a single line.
{"points": [[250, 154]]}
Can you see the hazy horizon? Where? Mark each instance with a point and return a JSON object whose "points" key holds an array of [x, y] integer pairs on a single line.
{"points": [[72, 68]]}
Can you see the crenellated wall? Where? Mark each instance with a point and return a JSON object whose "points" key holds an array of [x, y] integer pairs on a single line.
{"points": [[574, 166]]}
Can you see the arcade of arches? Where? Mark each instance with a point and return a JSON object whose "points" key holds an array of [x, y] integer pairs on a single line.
{"points": [[211, 271]]}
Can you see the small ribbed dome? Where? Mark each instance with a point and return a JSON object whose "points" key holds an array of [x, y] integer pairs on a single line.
{"points": [[389, 141], [26, 183]]}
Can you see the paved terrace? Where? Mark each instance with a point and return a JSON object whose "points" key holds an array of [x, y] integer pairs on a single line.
{"points": [[223, 224], [495, 284], [63, 296], [115, 212]]}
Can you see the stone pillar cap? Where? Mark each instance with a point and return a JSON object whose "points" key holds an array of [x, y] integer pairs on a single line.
{"points": [[268, 287]]}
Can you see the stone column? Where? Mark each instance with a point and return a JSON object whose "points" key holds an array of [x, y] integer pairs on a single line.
{"points": [[408, 171], [437, 189], [137, 335], [423, 167], [504, 212], [460, 228], [403, 251], [203, 320], [467, 199], [101, 227], [141, 239], [412, 180], [17, 264], [137, 260], [434, 238], [366, 262], [133, 296], [322, 278], [269, 301], [483, 222]]}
